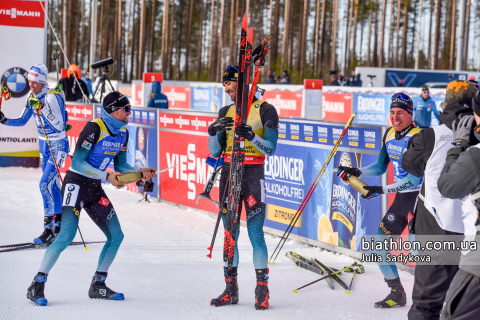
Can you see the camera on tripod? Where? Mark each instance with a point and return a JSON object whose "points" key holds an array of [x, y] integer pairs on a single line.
{"points": [[104, 79], [147, 187]]}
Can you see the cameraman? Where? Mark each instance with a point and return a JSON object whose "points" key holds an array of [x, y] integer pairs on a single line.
{"points": [[460, 178]]}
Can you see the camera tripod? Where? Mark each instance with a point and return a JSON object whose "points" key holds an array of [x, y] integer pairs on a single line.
{"points": [[101, 85]]}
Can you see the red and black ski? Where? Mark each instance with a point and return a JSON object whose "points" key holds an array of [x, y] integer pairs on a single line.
{"points": [[259, 61], [238, 150]]}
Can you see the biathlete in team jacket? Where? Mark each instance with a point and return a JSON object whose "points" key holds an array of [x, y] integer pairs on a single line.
{"points": [[261, 134], [50, 105], [395, 143], [101, 141]]}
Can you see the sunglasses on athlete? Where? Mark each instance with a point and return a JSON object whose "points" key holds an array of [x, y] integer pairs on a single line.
{"points": [[231, 67], [37, 70], [402, 96], [126, 108]]}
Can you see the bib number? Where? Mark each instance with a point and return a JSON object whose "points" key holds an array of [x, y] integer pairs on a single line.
{"points": [[70, 195], [104, 164]]}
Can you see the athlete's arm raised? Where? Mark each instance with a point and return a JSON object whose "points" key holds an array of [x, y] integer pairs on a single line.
{"points": [[19, 122]]}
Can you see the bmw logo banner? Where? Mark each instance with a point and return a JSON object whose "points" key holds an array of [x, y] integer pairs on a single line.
{"points": [[20, 20]]}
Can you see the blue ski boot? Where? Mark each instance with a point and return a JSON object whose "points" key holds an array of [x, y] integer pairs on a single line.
{"points": [[35, 291], [47, 236], [99, 290]]}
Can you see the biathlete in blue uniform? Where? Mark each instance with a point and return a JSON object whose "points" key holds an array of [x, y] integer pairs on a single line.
{"points": [[395, 143], [101, 141], [51, 108]]}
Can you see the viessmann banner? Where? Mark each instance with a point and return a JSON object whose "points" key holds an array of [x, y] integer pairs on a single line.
{"points": [[20, 20]]}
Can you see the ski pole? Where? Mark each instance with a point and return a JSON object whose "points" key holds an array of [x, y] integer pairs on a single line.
{"points": [[351, 281], [218, 217], [310, 192], [56, 166], [331, 274]]}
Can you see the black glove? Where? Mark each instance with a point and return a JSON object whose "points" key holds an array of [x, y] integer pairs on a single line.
{"points": [[245, 131], [222, 124], [462, 130], [344, 172], [3, 119], [373, 191]]}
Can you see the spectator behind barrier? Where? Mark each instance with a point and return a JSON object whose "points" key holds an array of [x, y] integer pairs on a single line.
{"points": [[156, 98], [271, 77], [285, 78], [88, 82]]}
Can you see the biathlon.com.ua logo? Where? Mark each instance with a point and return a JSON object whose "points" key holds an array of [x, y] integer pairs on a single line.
{"points": [[13, 13]]}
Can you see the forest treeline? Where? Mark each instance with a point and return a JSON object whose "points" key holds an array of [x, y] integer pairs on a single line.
{"points": [[196, 39]]}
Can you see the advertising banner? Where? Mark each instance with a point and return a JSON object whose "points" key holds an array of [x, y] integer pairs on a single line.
{"points": [[20, 20], [336, 106], [312, 99], [206, 99], [371, 108], [335, 213], [137, 98], [287, 103], [412, 78], [125, 89], [178, 96], [183, 140], [78, 116]]}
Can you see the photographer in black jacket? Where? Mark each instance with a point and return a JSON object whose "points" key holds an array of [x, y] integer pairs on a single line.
{"points": [[434, 214], [460, 178]]}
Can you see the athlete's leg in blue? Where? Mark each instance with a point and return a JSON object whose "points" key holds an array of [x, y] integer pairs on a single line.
{"points": [[388, 269], [63, 240], [50, 185], [257, 238], [106, 219], [114, 234]]}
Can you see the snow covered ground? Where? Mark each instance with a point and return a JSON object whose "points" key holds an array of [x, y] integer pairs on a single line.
{"points": [[162, 267]]}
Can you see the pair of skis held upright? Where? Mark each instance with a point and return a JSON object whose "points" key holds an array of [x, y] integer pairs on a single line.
{"points": [[244, 99]]}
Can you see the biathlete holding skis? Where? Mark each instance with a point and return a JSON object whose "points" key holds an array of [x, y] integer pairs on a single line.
{"points": [[50, 105], [261, 135], [101, 141], [395, 143]]}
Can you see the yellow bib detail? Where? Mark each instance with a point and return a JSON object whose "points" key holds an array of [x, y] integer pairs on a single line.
{"points": [[252, 154]]}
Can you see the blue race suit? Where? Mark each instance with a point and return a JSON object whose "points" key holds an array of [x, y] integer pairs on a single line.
{"points": [[422, 111], [96, 147], [158, 100], [53, 118], [406, 186]]}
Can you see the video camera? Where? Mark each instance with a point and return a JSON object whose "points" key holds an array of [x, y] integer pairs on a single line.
{"points": [[102, 63]]}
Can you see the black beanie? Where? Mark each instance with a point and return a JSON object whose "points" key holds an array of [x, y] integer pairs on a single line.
{"points": [[230, 74], [113, 101]]}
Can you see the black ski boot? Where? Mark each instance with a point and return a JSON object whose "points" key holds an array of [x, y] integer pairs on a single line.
{"points": [[35, 291], [56, 224], [261, 291], [47, 236], [99, 290], [396, 298], [230, 295]]}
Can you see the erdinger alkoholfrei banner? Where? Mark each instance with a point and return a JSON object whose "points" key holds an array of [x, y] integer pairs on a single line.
{"points": [[335, 213], [20, 20]]}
